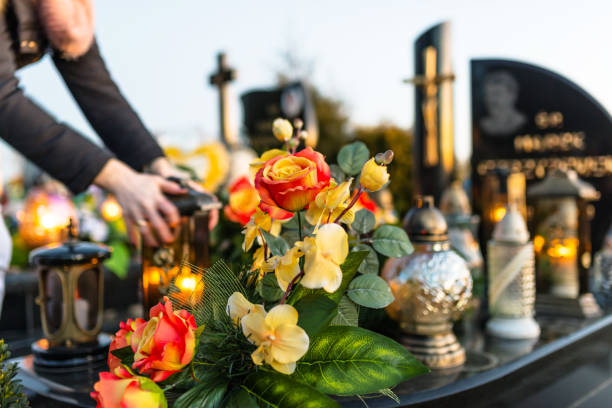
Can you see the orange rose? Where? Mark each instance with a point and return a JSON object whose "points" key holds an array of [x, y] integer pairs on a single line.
{"points": [[291, 182], [243, 201], [121, 389], [166, 343], [122, 339]]}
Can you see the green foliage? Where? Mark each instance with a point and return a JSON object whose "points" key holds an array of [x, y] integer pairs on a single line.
{"points": [[370, 291], [208, 393], [364, 221], [337, 173], [388, 136], [268, 288], [391, 241], [239, 398], [370, 264], [345, 360], [352, 157], [119, 261], [348, 313], [11, 390], [281, 391], [125, 354], [277, 245], [220, 283], [315, 312]]}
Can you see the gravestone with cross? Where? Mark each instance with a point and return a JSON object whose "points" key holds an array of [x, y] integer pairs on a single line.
{"points": [[221, 79], [433, 123]]}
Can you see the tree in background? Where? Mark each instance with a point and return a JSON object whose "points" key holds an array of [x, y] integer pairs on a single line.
{"points": [[389, 136]]}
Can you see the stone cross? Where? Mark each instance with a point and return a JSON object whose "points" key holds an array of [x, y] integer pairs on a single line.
{"points": [[221, 79]]}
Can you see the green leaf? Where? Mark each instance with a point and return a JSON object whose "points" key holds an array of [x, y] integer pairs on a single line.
{"points": [[239, 398], [391, 241], [119, 261], [315, 312], [207, 394], [370, 291], [388, 393], [370, 264], [352, 157], [345, 360], [348, 314], [349, 269], [281, 391], [277, 245], [337, 173], [364, 221], [268, 288], [125, 354]]}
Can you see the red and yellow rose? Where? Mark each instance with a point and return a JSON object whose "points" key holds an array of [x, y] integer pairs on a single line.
{"points": [[122, 339], [166, 343], [291, 182], [243, 201], [121, 389]]}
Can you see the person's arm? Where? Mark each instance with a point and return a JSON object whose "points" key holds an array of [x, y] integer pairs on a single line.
{"points": [[52, 146], [107, 110]]}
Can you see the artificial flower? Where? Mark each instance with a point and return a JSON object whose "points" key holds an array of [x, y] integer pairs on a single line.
{"points": [[260, 161], [122, 339], [238, 306], [323, 256], [373, 175], [120, 389], [243, 201], [259, 220], [210, 161], [286, 267], [365, 201], [166, 343], [330, 203], [291, 182], [280, 341], [259, 262], [282, 129]]}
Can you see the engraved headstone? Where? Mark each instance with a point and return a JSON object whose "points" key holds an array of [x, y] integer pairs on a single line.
{"points": [[529, 119]]}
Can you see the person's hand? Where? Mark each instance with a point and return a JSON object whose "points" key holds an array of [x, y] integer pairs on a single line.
{"points": [[162, 167], [143, 202]]}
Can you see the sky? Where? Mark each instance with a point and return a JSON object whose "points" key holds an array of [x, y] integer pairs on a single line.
{"points": [[161, 52]]}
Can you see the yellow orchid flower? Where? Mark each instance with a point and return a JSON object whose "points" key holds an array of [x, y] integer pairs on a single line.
{"points": [[259, 262], [260, 161], [323, 256], [281, 342], [330, 203], [238, 306], [286, 267], [259, 220]]}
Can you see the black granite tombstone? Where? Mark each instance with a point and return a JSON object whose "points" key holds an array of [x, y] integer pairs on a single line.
{"points": [[433, 116], [529, 119], [261, 107]]}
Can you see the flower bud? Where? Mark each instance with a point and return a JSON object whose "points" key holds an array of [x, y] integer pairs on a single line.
{"points": [[282, 129], [298, 123], [373, 175], [384, 158], [303, 135], [294, 143]]}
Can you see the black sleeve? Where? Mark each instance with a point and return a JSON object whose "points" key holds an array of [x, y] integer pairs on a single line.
{"points": [[107, 110], [54, 147]]}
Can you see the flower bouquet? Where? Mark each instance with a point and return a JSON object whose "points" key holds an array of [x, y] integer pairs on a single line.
{"points": [[283, 331]]}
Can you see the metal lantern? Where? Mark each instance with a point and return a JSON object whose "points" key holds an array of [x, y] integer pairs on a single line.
{"points": [[462, 225], [511, 279], [432, 286], [161, 265], [562, 242], [71, 286]]}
